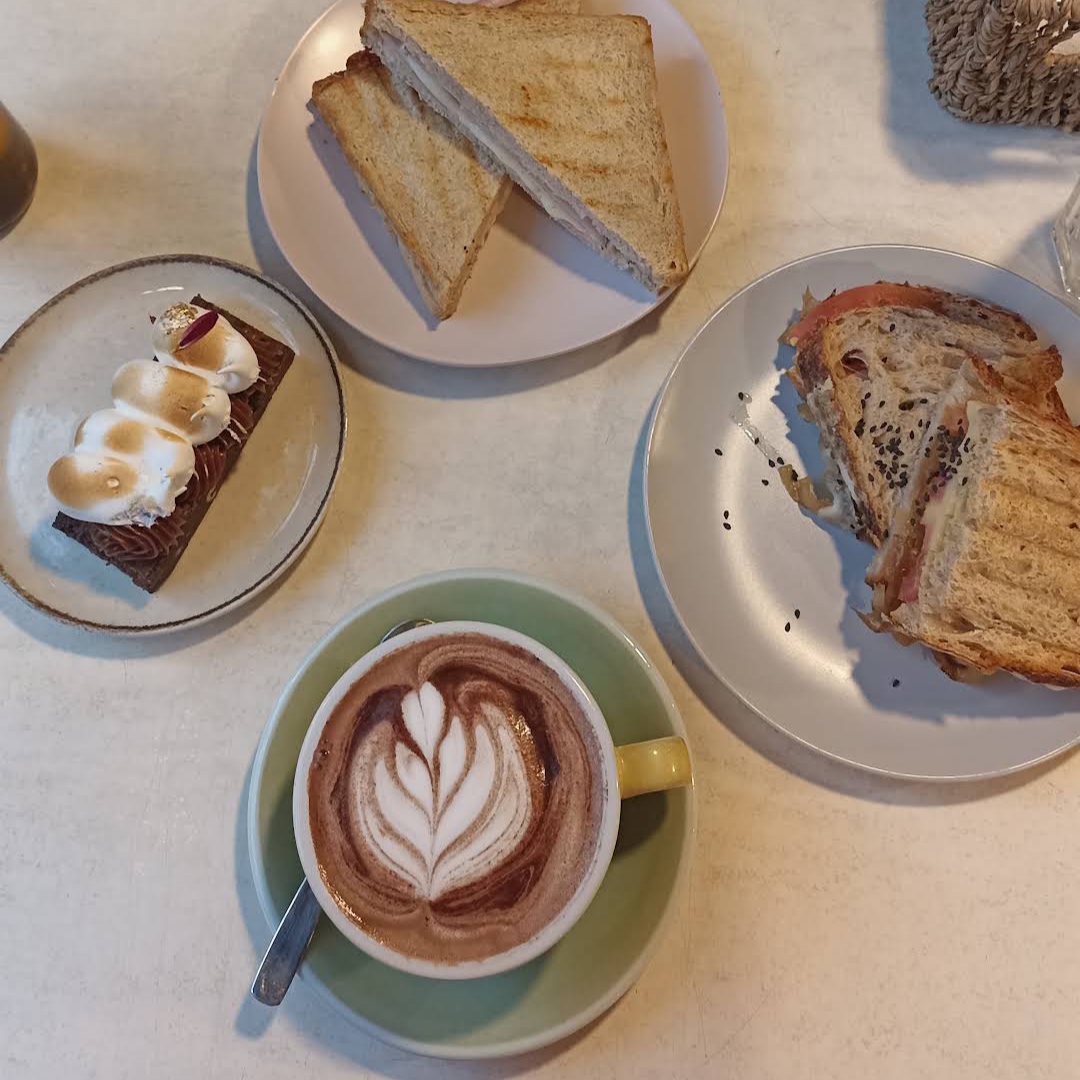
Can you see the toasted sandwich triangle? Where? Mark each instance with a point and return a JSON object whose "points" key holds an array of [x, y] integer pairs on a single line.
{"points": [[566, 104]]}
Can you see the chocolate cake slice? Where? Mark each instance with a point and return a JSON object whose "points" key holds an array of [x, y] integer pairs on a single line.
{"points": [[148, 554]]}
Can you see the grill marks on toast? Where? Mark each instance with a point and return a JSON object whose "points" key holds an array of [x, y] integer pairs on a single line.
{"points": [[566, 111], [999, 588], [438, 199], [566, 104], [872, 377]]}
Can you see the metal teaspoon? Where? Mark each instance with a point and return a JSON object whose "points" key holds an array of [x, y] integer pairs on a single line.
{"points": [[294, 932]]}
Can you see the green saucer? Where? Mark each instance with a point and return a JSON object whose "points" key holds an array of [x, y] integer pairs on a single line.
{"points": [[599, 959]]}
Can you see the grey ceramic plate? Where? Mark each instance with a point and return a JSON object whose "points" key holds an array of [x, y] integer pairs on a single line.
{"points": [[596, 963], [827, 681], [535, 291], [58, 366]]}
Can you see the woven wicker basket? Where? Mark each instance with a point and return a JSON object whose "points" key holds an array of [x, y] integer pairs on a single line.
{"points": [[993, 61]]}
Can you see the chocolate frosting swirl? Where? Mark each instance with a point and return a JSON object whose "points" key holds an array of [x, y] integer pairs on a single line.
{"points": [[455, 798]]}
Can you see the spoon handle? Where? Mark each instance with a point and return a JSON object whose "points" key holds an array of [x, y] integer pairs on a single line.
{"points": [[286, 951]]}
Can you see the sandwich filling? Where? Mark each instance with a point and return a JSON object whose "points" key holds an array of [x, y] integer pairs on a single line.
{"points": [[941, 502]]}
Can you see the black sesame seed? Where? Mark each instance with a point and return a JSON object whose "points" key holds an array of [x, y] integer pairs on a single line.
{"points": [[963, 483], [764, 482], [881, 404], [742, 396], [779, 460], [873, 428], [794, 475], [727, 526], [907, 406], [866, 396], [772, 464], [718, 452], [923, 401], [896, 683], [860, 427], [726, 515], [787, 628], [798, 613], [911, 435], [1074, 526], [892, 327], [756, 440]]}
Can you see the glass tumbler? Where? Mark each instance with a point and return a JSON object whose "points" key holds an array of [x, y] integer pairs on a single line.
{"points": [[18, 170]]}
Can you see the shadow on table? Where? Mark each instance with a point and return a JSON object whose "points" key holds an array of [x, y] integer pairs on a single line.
{"points": [[423, 377], [106, 646], [321, 1025], [751, 728], [935, 144]]}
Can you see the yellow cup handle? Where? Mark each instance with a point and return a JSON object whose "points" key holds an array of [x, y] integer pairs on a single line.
{"points": [[656, 765]]}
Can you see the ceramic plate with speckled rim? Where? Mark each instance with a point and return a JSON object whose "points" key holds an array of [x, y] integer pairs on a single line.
{"points": [[535, 291], [58, 367], [769, 595], [583, 975]]}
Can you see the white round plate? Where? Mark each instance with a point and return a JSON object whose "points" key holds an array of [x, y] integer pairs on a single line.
{"points": [[535, 290], [828, 681], [58, 366]]}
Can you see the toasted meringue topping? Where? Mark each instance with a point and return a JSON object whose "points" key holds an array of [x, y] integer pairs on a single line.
{"points": [[86, 482], [129, 464], [171, 398], [122, 471], [221, 355]]}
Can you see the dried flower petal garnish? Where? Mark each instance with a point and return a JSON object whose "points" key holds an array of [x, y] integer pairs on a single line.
{"points": [[198, 329]]}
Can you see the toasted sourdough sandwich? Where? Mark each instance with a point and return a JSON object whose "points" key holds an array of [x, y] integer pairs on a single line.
{"points": [[982, 563], [871, 363], [565, 104], [438, 199]]}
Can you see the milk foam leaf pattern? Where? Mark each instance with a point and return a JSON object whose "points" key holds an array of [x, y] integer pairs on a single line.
{"points": [[454, 811]]}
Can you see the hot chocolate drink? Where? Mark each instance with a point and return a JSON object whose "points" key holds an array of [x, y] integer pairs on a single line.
{"points": [[455, 798]]}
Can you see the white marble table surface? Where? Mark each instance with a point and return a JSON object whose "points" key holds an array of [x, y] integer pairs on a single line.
{"points": [[837, 925]]}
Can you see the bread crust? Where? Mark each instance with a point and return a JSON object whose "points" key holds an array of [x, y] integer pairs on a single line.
{"points": [[994, 644], [843, 373], [440, 274], [547, 131]]}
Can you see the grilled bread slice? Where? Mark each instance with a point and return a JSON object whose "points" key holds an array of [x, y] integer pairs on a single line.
{"points": [[982, 564], [871, 363], [425, 179], [436, 197], [565, 104]]}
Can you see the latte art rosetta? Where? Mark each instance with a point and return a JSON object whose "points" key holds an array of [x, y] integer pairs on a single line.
{"points": [[455, 798], [455, 810]]}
